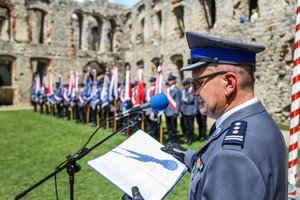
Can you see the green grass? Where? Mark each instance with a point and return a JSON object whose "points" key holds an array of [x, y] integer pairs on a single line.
{"points": [[284, 127], [32, 145]]}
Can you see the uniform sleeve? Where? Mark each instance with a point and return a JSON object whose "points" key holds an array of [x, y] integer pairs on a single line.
{"points": [[188, 158], [191, 99], [178, 101], [232, 175]]}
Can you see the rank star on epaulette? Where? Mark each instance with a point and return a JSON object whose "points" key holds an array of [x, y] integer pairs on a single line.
{"points": [[236, 134]]}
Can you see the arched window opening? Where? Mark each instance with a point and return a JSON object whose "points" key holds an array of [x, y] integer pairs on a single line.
{"points": [[253, 10], [6, 70], [155, 62], [4, 23], [77, 20], [140, 35], [209, 8], [36, 20], [157, 26], [141, 8], [111, 34], [179, 24], [99, 67], [94, 37], [40, 67], [177, 60]]}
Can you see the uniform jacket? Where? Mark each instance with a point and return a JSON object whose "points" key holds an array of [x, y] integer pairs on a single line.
{"points": [[148, 95], [176, 95], [257, 170], [188, 102]]}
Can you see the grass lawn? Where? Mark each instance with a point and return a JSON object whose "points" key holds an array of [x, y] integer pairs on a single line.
{"points": [[34, 144]]}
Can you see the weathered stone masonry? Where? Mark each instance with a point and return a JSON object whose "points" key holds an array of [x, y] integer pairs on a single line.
{"points": [[64, 35]]}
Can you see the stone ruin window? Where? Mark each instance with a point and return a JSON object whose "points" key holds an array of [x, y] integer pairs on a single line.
{"points": [[5, 71], [4, 23], [209, 8], [177, 60], [36, 20], [40, 67], [111, 35], [77, 20], [128, 29], [157, 25], [141, 25], [179, 24], [94, 38], [140, 34], [154, 64], [141, 8], [253, 11], [99, 67]]}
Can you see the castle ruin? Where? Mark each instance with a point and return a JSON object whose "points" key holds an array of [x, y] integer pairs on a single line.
{"points": [[62, 35]]}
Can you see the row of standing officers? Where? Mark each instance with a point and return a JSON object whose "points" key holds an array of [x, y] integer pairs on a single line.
{"points": [[183, 106]]}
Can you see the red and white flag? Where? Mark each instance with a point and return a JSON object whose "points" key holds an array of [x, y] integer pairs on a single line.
{"points": [[159, 80], [140, 96], [49, 90], [113, 87], [127, 84]]}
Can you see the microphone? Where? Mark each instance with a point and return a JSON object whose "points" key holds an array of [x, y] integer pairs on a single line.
{"points": [[158, 102]]}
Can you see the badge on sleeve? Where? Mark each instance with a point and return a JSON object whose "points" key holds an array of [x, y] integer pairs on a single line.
{"points": [[236, 134], [199, 164]]}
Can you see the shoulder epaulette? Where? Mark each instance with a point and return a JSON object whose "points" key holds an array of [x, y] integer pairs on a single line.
{"points": [[236, 134]]}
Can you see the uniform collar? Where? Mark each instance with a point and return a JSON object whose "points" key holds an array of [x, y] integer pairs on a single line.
{"points": [[230, 112]]}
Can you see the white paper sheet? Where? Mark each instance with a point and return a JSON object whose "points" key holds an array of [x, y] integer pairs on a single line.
{"points": [[138, 161]]}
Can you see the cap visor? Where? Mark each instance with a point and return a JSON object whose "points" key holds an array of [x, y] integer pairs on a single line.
{"points": [[192, 66]]}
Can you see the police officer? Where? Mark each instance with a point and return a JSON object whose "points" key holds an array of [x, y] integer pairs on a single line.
{"points": [[80, 105], [187, 109], [66, 101], [172, 111], [201, 121], [245, 155], [151, 121]]}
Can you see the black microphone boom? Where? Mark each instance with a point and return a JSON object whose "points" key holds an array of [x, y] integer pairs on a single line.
{"points": [[134, 110], [158, 102]]}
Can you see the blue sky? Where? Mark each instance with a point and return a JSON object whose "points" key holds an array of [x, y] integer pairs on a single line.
{"points": [[127, 3]]}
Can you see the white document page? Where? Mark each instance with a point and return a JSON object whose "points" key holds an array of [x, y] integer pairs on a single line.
{"points": [[139, 161]]}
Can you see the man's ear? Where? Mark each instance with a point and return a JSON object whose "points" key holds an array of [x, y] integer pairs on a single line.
{"points": [[230, 79]]}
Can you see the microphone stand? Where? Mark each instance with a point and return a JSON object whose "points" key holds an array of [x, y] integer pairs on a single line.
{"points": [[73, 167]]}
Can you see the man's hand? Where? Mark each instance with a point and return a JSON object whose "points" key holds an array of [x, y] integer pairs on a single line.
{"points": [[136, 195], [176, 150]]}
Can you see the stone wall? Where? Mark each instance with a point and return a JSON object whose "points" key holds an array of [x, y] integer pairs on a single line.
{"points": [[274, 28], [40, 36], [64, 35]]}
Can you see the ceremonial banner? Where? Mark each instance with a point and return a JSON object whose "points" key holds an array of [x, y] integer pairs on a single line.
{"points": [[104, 91], [113, 87], [140, 96]]}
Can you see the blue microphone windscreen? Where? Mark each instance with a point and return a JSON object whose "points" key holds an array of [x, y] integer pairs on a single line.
{"points": [[159, 102]]}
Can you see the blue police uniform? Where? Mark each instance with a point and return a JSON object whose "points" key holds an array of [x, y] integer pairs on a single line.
{"points": [[201, 121], [245, 156], [172, 112], [187, 109]]}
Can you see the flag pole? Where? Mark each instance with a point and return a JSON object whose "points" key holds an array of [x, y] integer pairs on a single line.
{"points": [[115, 113], [159, 81], [87, 114], [97, 117], [161, 133], [295, 107], [107, 116]]}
